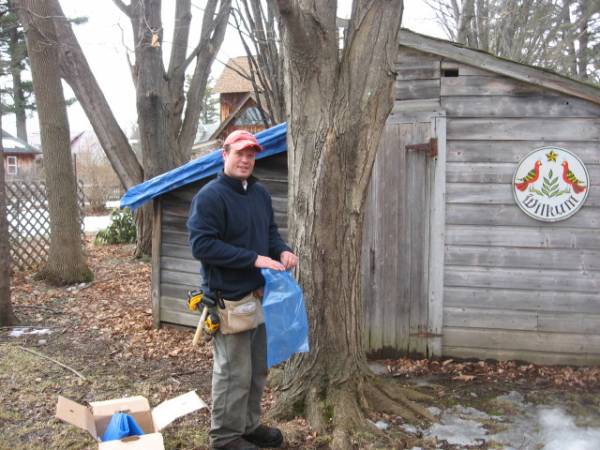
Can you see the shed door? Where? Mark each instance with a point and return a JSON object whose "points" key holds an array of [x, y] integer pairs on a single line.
{"points": [[403, 241]]}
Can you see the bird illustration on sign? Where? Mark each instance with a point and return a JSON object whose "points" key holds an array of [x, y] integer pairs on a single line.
{"points": [[550, 186], [570, 178], [531, 177]]}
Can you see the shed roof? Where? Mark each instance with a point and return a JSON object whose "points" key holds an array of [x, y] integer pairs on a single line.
{"points": [[231, 81], [273, 141], [14, 145], [484, 60]]}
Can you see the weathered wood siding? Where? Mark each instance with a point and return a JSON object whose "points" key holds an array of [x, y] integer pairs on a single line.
{"points": [[175, 271], [514, 287], [396, 267]]}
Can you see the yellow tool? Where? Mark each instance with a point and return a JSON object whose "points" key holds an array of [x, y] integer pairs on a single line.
{"points": [[209, 321], [194, 299], [212, 323]]}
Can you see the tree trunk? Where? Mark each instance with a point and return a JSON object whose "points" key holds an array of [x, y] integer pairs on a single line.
{"points": [[335, 120], [76, 71], [167, 116], [465, 21], [66, 260], [18, 97], [7, 317]]}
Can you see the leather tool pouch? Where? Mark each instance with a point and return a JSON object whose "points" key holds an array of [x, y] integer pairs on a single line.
{"points": [[241, 315]]}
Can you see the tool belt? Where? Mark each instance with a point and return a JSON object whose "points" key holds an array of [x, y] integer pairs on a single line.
{"points": [[241, 315]]}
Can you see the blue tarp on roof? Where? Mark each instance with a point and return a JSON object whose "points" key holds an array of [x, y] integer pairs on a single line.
{"points": [[273, 141]]}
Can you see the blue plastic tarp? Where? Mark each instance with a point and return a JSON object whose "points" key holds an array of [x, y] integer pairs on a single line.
{"points": [[273, 141]]}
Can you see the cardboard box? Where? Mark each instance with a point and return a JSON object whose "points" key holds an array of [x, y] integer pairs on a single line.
{"points": [[95, 418]]}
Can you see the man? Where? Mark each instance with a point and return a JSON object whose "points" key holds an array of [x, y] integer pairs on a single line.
{"points": [[233, 234]]}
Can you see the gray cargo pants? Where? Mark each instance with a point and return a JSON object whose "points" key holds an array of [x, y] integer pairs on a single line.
{"points": [[239, 378]]}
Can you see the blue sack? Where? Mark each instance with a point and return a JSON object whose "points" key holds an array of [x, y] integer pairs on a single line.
{"points": [[285, 316], [121, 425]]}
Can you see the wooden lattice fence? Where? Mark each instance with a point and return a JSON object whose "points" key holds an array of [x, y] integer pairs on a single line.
{"points": [[29, 222]]}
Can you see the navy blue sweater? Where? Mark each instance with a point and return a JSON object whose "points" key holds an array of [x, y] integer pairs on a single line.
{"points": [[228, 228]]}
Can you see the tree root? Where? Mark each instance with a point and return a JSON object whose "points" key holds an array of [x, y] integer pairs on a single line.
{"points": [[56, 278], [342, 410]]}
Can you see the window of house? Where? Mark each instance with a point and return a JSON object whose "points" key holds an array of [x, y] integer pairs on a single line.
{"points": [[11, 165], [249, 116]]}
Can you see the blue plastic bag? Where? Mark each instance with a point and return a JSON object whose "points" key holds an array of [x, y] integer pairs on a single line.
{"points": [[285, 316], [121, 425]]}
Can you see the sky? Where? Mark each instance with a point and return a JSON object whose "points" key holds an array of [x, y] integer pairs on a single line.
{"points": [[107, 33]]}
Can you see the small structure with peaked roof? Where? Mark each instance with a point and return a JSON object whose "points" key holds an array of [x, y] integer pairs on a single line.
{"points": [[19, 158], [451, 266]]}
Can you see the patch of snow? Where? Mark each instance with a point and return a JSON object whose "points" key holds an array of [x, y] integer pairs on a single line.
{"points": [[113, 204], [559, 432], [434, 410], [380, 424], [18, 332], [11, 143], [377, 368], [470, 413], [456, 430], [409, 428], [93, 224], [530, 426]]}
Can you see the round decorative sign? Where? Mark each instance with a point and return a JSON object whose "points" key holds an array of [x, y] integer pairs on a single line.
{"points": [[550, 184]]}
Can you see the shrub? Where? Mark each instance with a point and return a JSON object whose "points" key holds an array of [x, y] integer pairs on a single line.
{"points": [[120, 231]]}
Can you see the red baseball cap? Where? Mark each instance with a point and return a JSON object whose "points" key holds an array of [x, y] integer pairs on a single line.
{"points": [[240, 139]]}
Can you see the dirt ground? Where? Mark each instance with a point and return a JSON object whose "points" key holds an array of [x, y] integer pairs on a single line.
{"points": [[103, 331]]}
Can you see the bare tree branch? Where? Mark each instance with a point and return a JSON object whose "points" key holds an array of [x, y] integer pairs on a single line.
{"points": [[126, 9], [213, 33], [181, 32]]}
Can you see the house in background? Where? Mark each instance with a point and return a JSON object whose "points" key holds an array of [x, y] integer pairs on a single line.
{"points": [[94, 171], [19, 158], [239, 108]]}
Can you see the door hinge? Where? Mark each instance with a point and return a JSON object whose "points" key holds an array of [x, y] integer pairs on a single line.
{"points": [[430, 147]]}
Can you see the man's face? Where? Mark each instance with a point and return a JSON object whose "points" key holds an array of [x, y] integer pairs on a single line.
{"points": [[239, 163]]}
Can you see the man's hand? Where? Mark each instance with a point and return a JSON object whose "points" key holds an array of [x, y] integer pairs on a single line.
{"points": [[264, 262], [288, 259]]}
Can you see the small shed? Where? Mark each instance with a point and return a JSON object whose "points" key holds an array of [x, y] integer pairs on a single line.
{"points": [[174, 269], [18, 158], [452, 266]]}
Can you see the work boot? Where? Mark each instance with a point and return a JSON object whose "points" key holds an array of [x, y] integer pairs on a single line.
{"points": [[237, 444], [265, 437]]}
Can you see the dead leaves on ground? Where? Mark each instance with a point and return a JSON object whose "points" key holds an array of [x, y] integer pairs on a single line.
{"points": [[496, 371], [117, 305]]}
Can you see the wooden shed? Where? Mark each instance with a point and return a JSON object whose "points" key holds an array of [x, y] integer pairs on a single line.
{"points": [[19, 158], [451, 265]]}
